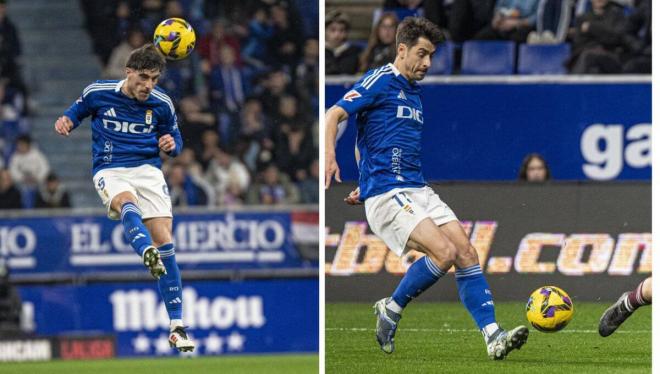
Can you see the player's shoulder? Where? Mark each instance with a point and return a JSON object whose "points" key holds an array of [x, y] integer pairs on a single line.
{"points": [[377, 78], [161, 98], [101, 85]]}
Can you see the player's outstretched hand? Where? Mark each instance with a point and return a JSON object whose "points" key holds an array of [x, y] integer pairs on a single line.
{"points": [[166, 143], [353, 198], [63, 126], [331, 169]]}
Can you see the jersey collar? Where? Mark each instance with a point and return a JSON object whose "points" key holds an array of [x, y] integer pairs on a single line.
{"points": [[119, 85], [394, 69]]}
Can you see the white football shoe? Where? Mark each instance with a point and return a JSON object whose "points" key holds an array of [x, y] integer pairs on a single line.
{"points": [[179, 340], [502, 342]]}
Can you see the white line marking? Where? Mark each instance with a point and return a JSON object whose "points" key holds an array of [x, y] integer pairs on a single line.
{"points": [[451, 331]]}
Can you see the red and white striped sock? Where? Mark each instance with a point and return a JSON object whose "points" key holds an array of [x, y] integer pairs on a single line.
{"points": [[635, 298]]}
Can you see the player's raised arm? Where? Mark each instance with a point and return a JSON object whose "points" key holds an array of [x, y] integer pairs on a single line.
{"points": [[333, 116], [78, 111], [170, 140]]}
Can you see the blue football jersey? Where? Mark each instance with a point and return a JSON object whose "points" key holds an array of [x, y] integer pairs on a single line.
{"points": [[125, 131], [389, 130]]}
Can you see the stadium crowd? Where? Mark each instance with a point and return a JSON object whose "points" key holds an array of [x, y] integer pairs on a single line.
{"points": [[247, 100], [605, 36]]}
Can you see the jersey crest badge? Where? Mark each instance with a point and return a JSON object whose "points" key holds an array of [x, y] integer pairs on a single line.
{"points": [[148, 116], [350, 95]]}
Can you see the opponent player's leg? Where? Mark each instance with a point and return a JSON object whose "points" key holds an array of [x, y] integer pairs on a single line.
{"points": [[476, 296], [135, 231], [169, 284], [440, 255], [616, 314]]}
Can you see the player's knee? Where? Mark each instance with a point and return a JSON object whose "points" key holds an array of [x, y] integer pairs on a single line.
{"points": [[444, 253], [466, 255], [121, 199]]}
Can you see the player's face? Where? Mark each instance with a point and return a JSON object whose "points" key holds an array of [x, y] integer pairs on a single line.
{"points": [[417, 59], [140, 83]]}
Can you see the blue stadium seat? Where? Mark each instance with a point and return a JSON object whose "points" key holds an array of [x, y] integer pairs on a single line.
{"points": [[488, 57], [543, 59], [443, 61]]}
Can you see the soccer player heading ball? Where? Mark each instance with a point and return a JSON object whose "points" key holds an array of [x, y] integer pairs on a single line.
{"points": [[400, 207], [133, 120]]}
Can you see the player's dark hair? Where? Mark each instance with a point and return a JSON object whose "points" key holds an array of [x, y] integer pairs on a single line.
{"points": [[412, 28], [146, 57]]}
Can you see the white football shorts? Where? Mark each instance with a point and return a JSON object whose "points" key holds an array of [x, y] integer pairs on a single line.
{"points": [[146, 182], [394, 214]]}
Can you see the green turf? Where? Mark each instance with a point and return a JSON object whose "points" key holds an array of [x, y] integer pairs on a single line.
{"points": [[198, 365], [441, 338]]}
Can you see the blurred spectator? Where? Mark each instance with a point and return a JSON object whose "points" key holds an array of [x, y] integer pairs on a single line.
{"points": [[285, 45], [185, 189], [229, 177], [637, 60], [438, 12], [381, 48], [52, 194], [294, 150], [407, 4], [9, 40], [512, 20], [10, 306], [341, 57], [260, 29], [195, 120], [187, 160], [553, 21], [468, 17], [534, 169], [309, 188], [226, 83], [28, 166], [209, 45], [210, 145], [598, 40], [307, 75], [10, 196], [272, 188], [116, 67], [275, 86]]}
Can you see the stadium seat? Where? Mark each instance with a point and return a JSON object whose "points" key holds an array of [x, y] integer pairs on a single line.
{"points": [[443, 62], [488, 57], [543, 59]]}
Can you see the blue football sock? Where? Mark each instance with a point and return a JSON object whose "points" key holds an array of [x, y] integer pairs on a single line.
{"points": [[134, 230], [475, 295], [420, 276], [170, 283]]}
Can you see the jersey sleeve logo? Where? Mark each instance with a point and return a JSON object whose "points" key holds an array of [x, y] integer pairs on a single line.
{"points": [[350, 95]]}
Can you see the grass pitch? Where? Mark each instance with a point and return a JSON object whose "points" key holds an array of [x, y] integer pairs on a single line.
{"points": [[235, 364], [442, 338]]}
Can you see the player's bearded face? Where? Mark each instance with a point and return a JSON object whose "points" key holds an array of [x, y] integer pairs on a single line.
{"points": [[417, 59], [140, 83]]}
